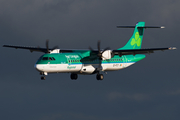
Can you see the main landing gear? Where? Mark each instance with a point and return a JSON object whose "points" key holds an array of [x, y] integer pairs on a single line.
{"points": [[99, 76], [74, 76]]}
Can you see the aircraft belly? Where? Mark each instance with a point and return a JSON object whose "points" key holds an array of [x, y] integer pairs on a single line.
{"points": [[111, 66], [83, 69], [115, 66], [55, 68]]}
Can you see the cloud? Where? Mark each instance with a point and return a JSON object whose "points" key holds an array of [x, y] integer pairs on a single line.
{"points": [[135, 96], [53, 116], [72, 115], [139, 96], [176, 92]]}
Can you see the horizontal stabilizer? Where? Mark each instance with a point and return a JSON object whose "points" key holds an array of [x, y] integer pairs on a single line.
{"points": [[140, 27], [172, 48]]}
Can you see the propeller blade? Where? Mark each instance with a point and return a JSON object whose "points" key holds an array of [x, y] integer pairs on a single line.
{"points": [[99, 67], [47, 45], [98, 46], [91, 49], [99, 55]]}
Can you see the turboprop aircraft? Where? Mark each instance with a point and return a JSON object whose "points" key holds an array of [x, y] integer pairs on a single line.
{"points": [[92, 61]]}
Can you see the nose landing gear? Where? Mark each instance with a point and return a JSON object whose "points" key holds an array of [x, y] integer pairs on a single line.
{"points": [[43, 73], [43, 77]]}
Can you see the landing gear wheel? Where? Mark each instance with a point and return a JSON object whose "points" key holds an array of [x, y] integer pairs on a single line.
{"points": [[74, 76], [43, 78], [99, 76]]}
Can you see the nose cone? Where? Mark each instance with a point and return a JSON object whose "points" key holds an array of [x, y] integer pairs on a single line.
{"points": [[38, 67]]}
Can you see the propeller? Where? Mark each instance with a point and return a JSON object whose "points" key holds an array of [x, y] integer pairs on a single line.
{"points": [[99, 54], [47, 47]]}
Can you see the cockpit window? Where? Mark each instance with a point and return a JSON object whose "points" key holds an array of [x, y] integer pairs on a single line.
{"points": [[50, 58], [45, 58], [53, 58]]}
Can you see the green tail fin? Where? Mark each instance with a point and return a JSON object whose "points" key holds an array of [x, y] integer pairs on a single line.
{"points": [[136, 40]]}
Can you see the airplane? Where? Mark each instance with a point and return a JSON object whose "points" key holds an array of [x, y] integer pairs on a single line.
{"points": [[90, 61]]}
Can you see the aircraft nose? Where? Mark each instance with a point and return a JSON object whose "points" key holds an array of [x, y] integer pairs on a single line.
{"points": [[38, 67]]}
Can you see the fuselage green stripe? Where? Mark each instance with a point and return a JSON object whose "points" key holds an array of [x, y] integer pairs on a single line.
{"points": [[63, 58]]}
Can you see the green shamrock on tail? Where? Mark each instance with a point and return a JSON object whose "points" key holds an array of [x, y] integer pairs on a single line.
{"points": [[136, 41]]}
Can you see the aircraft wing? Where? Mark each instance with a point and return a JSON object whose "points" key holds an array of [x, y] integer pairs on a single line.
{"points": [[115, 52], [37, 49], [139, 51]]}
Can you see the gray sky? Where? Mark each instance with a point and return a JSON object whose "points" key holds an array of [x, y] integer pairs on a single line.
{"points": [[147, 90]]}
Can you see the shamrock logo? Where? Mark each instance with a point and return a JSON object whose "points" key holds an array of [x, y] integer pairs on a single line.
{"points": [[136, 41]]}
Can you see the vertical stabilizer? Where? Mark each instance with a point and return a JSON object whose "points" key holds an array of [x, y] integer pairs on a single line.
{"points": [[136, 40]]}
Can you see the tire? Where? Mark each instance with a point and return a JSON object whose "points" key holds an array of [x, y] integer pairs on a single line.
{"points": [[43, 78], [99, 76], [74, 76]]}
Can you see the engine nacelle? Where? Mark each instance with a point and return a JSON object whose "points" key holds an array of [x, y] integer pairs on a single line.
{"points": [[88, 69], [107, 54], [55, 51]]}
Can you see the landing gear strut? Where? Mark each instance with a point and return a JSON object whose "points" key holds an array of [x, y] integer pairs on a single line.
{"points": [[74, 76], [99, 76], [43, 73]]}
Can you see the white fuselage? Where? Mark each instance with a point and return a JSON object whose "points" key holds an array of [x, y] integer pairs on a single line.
{"points": [[80, 68]]}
